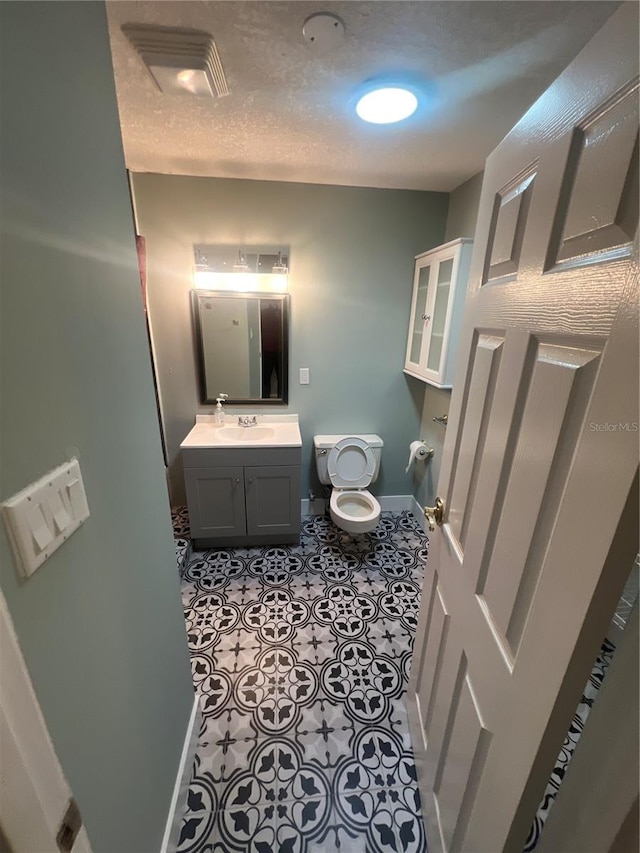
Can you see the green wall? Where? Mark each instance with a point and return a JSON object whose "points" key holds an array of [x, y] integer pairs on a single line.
{"points": [[100, 623], [351, 260], [464, 202]]}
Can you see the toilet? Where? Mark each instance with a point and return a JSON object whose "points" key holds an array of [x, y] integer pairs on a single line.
{"points": [[350, 463]]}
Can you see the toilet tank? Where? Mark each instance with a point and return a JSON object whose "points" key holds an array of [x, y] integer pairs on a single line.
{"points": [[322, 444]]}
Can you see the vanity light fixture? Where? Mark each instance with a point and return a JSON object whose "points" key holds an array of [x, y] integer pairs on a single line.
{"points": [[248, 282], [241, 264], [280, 267], [181, 61], [386, 103], [247, 271]]}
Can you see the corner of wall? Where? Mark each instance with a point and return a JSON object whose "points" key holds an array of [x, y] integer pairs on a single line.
{"points": [[464, 202]]}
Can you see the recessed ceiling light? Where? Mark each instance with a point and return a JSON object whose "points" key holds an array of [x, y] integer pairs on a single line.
{"points": [[387, 104]]}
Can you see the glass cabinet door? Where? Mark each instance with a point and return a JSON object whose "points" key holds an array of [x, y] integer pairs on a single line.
{"points": [[420, 314], [437, 302], [439, 319]]}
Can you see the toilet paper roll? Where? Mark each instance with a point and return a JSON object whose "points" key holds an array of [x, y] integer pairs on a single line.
{"points": [[417, 450]]}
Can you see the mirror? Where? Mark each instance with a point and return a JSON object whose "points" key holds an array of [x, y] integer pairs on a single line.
{"points": [[241, 341]]}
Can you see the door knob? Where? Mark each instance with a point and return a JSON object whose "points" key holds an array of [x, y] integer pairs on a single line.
{"points": [[434, 514]]}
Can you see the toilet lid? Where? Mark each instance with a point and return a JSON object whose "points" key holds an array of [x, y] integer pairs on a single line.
{"points": [[351, 464]]}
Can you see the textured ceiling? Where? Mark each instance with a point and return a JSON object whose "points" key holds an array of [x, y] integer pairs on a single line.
{"points": [[289, 113]]}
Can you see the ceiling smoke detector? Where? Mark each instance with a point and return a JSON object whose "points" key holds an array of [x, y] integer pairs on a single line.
{"points": [[181, 61], [323, 30]]}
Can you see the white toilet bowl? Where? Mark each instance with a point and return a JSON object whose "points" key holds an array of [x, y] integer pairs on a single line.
{"points": [[356, 511], [350, 463]]}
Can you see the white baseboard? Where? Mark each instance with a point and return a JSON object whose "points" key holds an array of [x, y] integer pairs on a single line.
{"points": [[395, 503], [183, 778], [418, 513], [316, 507]]}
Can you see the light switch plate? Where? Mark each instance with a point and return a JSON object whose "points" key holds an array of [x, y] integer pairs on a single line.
{"points": [[304, 375], [43, 515]]}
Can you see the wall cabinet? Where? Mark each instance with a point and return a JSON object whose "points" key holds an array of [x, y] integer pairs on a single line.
{"points": [[439, 287], [243, 496]]}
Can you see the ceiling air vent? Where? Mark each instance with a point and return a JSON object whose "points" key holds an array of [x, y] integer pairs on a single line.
{"points": [[181, 61]]}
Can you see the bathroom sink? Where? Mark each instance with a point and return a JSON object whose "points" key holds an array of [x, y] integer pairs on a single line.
{"points": [[247, 435], [270, 431]]}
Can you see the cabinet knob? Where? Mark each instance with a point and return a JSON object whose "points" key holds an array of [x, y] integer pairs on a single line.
{"points": [[251, 479], [237, 479], [426, 316]]}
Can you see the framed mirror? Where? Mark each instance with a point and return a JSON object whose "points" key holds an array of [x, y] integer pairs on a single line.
{"points": [[242, 345]]}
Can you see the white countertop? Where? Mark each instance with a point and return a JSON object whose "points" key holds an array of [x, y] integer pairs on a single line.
{"points": [[206, 433]]}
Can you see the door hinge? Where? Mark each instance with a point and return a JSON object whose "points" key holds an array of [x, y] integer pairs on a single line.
{"points": [[69, 828]]}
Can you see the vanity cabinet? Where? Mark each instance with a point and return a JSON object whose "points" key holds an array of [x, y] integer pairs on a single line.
{"points": [[243, 496], [439, 287]]}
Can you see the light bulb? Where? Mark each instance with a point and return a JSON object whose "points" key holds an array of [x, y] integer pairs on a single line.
{"points": [[387, 105]]}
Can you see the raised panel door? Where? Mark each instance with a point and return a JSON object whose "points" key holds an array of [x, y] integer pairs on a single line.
{"points": [[272, 499], [216, 502], [540, 467]]}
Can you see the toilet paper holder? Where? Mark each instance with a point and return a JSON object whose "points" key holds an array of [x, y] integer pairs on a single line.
{"points": [[418, 451]]}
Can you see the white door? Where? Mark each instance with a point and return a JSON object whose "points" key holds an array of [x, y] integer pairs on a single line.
{"points": [[539, 473], [34, 793]]}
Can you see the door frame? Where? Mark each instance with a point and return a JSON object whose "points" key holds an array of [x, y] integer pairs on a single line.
{"points": [[34, 793]]}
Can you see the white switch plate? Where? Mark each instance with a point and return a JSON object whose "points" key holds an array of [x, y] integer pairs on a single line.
{"points": [[42, 516], [304, 375]]}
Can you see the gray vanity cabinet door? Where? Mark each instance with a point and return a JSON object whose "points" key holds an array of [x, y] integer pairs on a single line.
{"points": [[216, 501], [272, 499]]}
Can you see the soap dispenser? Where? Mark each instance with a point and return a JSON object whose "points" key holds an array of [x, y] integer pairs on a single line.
{"points": [[219, 413]]}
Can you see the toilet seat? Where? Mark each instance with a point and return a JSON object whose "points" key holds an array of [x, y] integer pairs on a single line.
{"points": [[351, 464]]}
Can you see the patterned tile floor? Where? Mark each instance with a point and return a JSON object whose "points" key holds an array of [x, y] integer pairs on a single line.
{"points": [[300, 657], [182, 553], [570, 742]]}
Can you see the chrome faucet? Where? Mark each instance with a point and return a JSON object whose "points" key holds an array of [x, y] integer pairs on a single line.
{"points": [[247, 420]]}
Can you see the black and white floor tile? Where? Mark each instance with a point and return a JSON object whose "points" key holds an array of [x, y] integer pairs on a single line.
{"points": [[181, 536], [300, 658], [180, 521], [182, 552], [570, 742]]}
